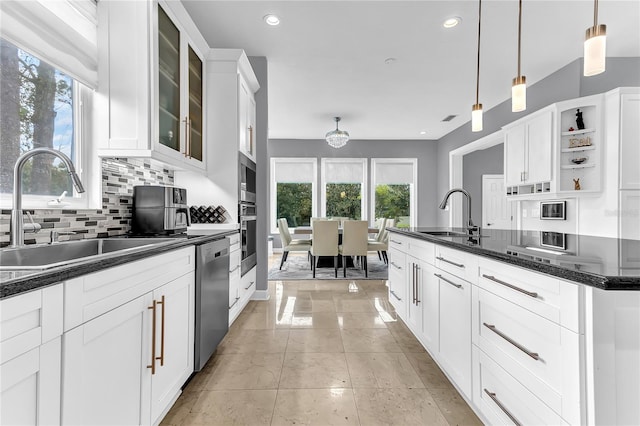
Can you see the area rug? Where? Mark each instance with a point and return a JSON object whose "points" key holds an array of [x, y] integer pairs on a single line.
{"points": [[297, 267]]}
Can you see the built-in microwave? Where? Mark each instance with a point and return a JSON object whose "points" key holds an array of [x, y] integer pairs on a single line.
{"points": [[553, 210], [247, 179]]}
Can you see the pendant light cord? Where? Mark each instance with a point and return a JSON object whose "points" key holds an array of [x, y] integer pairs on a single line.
{"points": [[520, 32], [595, 13], [478, 66]]}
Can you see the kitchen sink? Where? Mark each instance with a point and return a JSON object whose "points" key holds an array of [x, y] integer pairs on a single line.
{"points": [[39, 257]]}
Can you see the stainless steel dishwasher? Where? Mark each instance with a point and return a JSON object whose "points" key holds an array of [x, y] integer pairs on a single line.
{"points": [[211, 299]]}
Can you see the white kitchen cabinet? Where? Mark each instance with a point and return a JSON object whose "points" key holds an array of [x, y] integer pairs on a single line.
{"points": [[430, 298], [398, 278], [629, 146], [455, 329], [231, 84], [234, 277], [129, 340], [150, 101], [529, 153], [247, 287], [31, 325], [175, 340], [106, 379]]}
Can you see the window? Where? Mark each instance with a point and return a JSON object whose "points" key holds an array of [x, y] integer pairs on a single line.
{"points": [[293, 191], [394, 190], [39, 109], [343, 187]]}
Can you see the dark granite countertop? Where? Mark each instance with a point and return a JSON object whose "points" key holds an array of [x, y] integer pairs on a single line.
{"points": [[605, 263], [15, 282]]}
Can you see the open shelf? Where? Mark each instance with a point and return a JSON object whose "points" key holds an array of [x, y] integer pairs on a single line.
{"points": [[579, 148], [578, 132], [577, 166]]}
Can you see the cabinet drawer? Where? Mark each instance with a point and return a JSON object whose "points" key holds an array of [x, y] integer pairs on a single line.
{"points": [[28, 320], [234, 262], [540, 354], [247, 284], [92, 295], [458, 263], [397, 280], [503, 400], [549, 297], [234, 242], [422, 250], [399, 242]]}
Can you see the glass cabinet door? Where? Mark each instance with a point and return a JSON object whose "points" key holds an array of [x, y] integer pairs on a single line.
{"points": [[169, 81], [194, 149]]}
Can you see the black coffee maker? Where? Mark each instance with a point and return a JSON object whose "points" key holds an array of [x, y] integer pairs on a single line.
{"points": [[159, 210]]}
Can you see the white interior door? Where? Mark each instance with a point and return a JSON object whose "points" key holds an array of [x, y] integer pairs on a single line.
{"points": [[497, 211]]}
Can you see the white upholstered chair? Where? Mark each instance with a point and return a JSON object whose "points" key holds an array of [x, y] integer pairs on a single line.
{"points": [[325, 242], [288, 243], [355, 243]]}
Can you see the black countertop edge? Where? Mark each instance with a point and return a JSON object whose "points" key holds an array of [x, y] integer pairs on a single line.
{"points": [[41, 279], [593, 280]]}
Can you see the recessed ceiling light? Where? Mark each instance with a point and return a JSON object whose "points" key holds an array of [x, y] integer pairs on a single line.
{"points": [[452, 22], [390, 61], [423, 132], [272, 20]]}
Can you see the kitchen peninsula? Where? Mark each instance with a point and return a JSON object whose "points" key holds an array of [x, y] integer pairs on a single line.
{"points": [[527, 333]]}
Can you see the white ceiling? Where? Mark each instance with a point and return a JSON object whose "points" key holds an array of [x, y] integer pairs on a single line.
{"points": [[327, 58]]}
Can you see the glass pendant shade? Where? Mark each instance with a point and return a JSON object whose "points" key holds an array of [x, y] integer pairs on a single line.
{"points": [[595, 46], [476, 118], [337, 138], [519, 94]]}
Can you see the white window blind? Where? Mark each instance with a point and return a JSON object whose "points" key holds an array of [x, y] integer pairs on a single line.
{"points": [[343, 171], [393, 173], [295, 172], [61, 32]]}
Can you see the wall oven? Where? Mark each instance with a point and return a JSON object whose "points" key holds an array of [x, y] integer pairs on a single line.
{"points": [[247, 179], [247, 219]]}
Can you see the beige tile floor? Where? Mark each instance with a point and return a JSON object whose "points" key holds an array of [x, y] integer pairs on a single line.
{"points": [[320, 353]]}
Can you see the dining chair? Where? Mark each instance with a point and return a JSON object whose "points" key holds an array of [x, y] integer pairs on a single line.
{"points": [[355, 243], [288, 243], [325, 242], [382, 229], [381, 246]]}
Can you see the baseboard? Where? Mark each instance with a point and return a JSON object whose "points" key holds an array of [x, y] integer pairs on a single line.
{"points": [[260, 295]]}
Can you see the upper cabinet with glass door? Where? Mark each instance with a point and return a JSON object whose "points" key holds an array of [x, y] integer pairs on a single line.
{"points": [[153, 93]]}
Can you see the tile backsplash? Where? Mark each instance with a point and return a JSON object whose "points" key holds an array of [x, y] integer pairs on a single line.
{"points": [[119, 176]]}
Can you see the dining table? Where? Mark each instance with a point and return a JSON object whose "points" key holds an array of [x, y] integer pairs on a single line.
{"points": [[327, 261]]}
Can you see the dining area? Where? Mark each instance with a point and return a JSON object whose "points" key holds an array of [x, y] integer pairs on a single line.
{"points": [[337, 243]]}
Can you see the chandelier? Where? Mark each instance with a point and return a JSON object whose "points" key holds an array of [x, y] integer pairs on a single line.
{"points": [[337, 138]]}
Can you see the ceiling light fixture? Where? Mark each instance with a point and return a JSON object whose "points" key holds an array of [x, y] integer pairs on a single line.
{"points": [[595, 46], [476, 109], [451, 22], [272, 20], [519, 85], [337, 138]]}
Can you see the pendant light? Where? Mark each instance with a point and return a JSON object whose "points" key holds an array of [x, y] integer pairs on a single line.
{"points": [[595, 46], [337, 138], [519, 84], [476, 109]]}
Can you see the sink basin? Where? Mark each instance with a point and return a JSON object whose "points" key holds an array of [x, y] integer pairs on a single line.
{"points": [[51, 255]]}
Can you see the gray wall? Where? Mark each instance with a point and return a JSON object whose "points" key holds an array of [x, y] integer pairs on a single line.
{"points": [[260, 68], [424, 150], [566, 83], [475, 164]]}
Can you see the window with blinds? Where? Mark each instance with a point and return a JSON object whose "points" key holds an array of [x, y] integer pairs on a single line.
{"points": [[344, 183], [393, 184], [293, 191]]}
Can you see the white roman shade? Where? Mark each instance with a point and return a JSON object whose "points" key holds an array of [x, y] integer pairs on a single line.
{"points": [[393, 173], [60, 32], [343, 171], [295, 171]]}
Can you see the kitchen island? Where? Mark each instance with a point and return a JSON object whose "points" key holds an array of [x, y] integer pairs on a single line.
{"points": [[525, 323]]}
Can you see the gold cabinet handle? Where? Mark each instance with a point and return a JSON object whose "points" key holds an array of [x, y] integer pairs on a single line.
{"points": [[161, 357], [511, 286], [153, 337], [251, 139], [186, 137], [495, 399], [493, 328], [189, 138]]}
